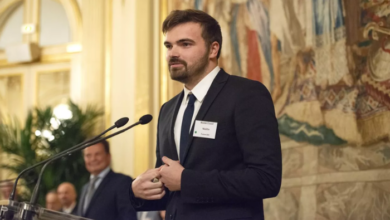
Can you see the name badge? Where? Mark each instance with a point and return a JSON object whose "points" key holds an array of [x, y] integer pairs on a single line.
{"points": [[205, 129]]}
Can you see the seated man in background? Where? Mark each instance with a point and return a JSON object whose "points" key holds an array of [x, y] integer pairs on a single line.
{"points": [[105, 197], [6, 189], [52, 201], [67, 195]]}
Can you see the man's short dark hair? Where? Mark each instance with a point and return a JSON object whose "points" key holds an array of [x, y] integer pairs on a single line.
{"points": [[106, 146], [211, 31]]}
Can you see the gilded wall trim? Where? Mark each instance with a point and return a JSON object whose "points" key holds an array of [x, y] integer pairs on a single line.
{"points": [[168, 87], [108, 62], [7, 4], [7, 11], [164, 74], [49, 54], [73, 13], [22, 84], [144, 84], [38, 73]]}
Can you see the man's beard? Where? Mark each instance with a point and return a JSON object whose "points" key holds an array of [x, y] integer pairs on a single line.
{"points": [[184, 73]]}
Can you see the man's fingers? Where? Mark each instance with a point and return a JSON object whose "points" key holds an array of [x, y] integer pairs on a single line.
{"points": [[150, 185], [161, 169], [150, 174], [156, 197], [162, 180], [166, 160], [153, 192]]}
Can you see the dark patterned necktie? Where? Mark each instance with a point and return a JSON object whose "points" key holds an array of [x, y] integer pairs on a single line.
{"points": [[185, 126]]}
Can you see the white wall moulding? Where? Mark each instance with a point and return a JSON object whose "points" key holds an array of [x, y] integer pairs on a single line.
{"points": [[22, 53]]}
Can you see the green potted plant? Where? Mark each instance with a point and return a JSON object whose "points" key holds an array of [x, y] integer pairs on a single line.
{"points": [[47, 132]]}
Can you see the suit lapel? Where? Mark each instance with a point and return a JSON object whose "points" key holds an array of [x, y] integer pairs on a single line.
{"points": [[173, 117], [99, 190], [213, 92], [74, 210], [82, 198]]}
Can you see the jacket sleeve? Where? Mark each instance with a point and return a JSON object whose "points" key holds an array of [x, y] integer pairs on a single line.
{"points": [[151, 205], [124, 207], [257, 134]]}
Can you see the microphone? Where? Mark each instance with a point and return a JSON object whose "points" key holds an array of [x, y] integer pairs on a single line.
{"points": [[143, 120], [119, 123]]}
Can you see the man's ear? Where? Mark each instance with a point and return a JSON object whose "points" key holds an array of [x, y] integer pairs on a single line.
{"points": [[214, 48]]}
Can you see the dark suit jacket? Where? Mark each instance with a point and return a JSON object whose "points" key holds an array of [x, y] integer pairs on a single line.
{"points": [[74, 210], [229, 176], [109, 200]]}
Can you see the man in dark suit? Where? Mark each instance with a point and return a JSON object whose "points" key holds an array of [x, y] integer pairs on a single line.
{"points": [[67, 196], [104, 197], [218, 148]]}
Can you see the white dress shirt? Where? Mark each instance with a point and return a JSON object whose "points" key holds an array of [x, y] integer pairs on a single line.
{"points": [[199, 91], [69, 209], [101, 176]]}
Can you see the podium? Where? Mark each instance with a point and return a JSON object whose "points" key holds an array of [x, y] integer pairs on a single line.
{"points": [[25, 211]]}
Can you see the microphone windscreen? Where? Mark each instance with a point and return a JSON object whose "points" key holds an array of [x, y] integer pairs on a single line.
{"points": [[145, 119], [121, 122]]}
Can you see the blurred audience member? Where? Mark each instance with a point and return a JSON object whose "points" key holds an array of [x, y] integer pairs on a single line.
{"points": [[105, 197], [52, 201], [6, 189], [67, 196]]}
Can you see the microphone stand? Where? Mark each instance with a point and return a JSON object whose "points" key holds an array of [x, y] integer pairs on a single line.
{"points": [[28, 211], [12, 195], [119, 123]]}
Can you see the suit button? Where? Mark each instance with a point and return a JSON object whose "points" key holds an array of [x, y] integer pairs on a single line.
{"points": [[171, 216]]}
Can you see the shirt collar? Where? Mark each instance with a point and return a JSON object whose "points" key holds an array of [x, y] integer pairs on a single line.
{"points": [[70, 208], [102, 174], [201, 89]]}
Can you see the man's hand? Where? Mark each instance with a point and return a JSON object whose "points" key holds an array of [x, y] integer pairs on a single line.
{"points": [[171, 174], [144, 188]]}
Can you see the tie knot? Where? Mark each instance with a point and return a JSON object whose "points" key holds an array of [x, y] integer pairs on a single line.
{"points": [[191, 99], [94, 179]]}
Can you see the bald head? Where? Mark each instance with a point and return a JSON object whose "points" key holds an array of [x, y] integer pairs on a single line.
{"points": [[67, 194]]}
